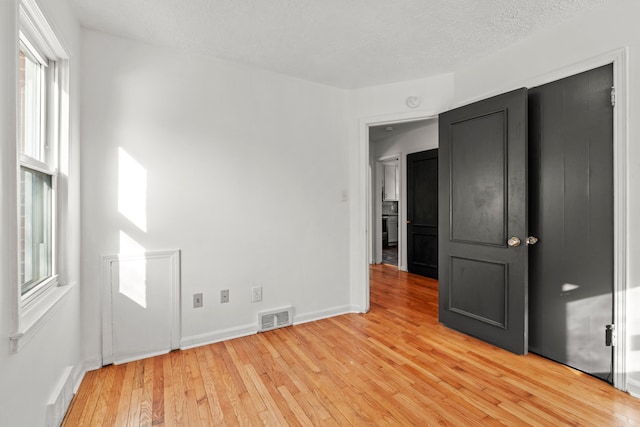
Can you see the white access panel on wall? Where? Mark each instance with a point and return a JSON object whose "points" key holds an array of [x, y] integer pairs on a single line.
{"points": [[141, 310]]}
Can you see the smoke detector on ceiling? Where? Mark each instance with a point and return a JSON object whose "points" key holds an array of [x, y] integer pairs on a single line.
{"points": [[413, 102]]}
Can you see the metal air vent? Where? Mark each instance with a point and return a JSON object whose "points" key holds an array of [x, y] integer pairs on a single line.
{"points": [[268, 320]]}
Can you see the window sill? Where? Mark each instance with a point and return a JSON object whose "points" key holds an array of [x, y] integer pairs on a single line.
{"points": [[31, 320]]}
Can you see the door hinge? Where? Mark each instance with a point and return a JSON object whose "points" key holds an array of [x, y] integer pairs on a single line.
{"points": [[613, 96], [610, 335]]}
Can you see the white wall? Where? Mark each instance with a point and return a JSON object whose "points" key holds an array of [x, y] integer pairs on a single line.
{"points": [[603, 29], [28, 378], [245, 173], [413, 141]]}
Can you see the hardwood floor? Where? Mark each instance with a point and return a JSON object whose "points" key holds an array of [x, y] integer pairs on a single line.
{"points": [[395, 365]]}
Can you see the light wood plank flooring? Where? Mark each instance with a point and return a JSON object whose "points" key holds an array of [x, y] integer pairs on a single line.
{"points": [[393, 366]]}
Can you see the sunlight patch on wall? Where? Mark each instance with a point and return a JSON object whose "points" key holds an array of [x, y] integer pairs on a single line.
{"points": [[132, 190], [132, 274], [579, 333]]}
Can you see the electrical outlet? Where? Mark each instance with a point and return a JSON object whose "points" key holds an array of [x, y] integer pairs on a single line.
{"points": [[224, 295], [256, 294], [197, 300]]}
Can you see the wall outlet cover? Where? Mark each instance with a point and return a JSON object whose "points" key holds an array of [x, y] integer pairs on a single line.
{"points": [[197, 300], [224, 296]]}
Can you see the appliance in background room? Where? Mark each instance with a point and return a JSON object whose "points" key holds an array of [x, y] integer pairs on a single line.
{"points": [[390, 223], [390, 232]]}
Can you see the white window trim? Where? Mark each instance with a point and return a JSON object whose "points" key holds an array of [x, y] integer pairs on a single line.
{"points": [[34, 308]]}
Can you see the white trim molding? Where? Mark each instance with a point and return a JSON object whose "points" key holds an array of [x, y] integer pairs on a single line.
{"points": [[32, 319], [217, 336], [621, 217], [364, 201], [252, 328], [634, 388], [313, 316]]}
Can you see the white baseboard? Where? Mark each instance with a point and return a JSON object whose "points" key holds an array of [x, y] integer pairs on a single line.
{"points": [[217, 336], [92, 363], [251, 329], [359, 309], [322, 314], [138, 356], [60, 398], [78, 376], [64, 391], [633, 387]]}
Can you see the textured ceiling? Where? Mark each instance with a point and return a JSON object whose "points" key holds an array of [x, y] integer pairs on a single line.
{"points": [[344, 43]]}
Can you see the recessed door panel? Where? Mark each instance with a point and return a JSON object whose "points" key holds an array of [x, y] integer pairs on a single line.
{"points": [[478, 175], [425, 250], [479, 290]]}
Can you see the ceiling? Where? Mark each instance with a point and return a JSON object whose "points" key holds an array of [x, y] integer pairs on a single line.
{"points": [[342, 43]]}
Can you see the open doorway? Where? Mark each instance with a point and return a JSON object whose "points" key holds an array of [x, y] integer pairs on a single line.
{"points": [[389, 145]]}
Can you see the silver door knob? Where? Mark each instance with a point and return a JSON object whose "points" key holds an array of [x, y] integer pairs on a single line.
{"points": [[531, 240], [514, 242]]}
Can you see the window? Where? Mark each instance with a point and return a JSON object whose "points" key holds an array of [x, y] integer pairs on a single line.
{"points": [[42, 178], [38, 115]]}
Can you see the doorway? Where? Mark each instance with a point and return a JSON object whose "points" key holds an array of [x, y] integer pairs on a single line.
{"points": [[388, 146]]}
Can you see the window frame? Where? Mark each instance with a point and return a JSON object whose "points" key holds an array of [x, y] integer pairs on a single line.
{"points": [[46, 164], [33, 309]]}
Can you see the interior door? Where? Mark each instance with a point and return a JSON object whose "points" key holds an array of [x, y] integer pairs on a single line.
{"points": [[571, 212], [483, 220], [422, 213]]}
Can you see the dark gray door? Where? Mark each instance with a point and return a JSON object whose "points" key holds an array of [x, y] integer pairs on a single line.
{"points": [[422, 213], [483, 197], [571, 212]]}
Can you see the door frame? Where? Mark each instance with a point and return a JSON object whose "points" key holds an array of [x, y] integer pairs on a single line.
{"points": [[377, 210], [362, 251], [619, 59]]}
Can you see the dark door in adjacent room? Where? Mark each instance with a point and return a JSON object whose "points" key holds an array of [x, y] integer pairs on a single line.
{"points": [[483, 220], [571, 212], [422, 213]]}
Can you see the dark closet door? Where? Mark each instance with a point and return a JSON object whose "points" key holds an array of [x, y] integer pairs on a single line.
{"points": [[422, 213], [483, 220], [571, 212]]}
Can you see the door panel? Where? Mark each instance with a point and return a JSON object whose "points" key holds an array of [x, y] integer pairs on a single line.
{"points": [[422, 213], [571, 190], [482, 201], [478, 180], [478, 290]]}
